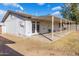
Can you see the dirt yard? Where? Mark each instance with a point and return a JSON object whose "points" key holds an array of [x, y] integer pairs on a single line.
{"points": [[69, 45]]}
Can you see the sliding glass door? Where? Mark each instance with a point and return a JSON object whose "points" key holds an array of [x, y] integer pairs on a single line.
{"points": [[35, 27]]}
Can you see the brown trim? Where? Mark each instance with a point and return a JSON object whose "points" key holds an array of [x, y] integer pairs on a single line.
{"points": [[15, 13]]}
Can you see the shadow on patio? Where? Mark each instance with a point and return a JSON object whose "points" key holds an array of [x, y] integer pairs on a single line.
{"points": [[47, 35], [5, 50]]}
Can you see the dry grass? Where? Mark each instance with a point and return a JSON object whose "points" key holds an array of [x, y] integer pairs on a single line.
{"points": [[68, 45]]}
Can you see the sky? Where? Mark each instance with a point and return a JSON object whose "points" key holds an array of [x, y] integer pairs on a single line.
{"points": [[36, 9]]}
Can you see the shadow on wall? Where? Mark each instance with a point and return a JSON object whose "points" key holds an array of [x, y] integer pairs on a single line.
{"points": [[5, 50]]}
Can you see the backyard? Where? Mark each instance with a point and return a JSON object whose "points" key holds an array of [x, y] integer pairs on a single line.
{"points": [[18, 46]]}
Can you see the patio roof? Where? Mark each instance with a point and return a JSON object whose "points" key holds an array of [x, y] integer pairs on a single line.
{"points": [[63, 20]]}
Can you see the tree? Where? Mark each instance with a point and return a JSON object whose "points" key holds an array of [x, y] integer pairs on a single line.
{"points": [[65, 12], [74, 13], [71, 12]]}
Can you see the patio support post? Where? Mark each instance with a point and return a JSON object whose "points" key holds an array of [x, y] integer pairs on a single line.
{"points": [[52, 27], [69, 26], [61, 23]]}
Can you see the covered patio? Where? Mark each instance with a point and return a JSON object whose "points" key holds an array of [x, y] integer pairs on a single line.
{"points": [[56, 27], [61, 27], [52, 27]]}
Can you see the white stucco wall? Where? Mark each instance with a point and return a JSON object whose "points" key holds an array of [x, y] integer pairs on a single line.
{"points": [[56, 24], [20, 27], [3, 29], [12, 26], [8, 25], [44, 26], [56, 27], [28, 27]]}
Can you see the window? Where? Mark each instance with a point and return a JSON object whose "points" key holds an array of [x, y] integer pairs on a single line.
{"points": [[33, 27], [38, 26]]}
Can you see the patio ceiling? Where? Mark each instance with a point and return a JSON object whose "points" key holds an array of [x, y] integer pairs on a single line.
{"points": [[42, 18]]}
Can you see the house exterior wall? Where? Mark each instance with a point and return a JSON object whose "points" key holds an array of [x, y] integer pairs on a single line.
{"points": [[78, 27], [73, 27], [20, 25], [56, 27], [12, 26], [3, 29], [8, 25], [17, 26], [56, 24], [28, 27], [45, 26]]}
